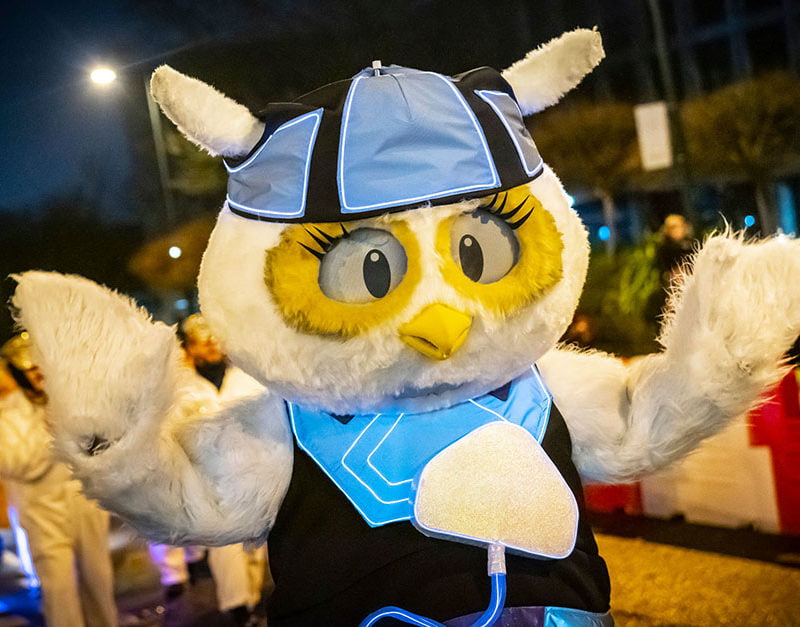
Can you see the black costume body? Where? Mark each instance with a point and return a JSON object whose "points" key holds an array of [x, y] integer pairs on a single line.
{"points": [[332, 568]]}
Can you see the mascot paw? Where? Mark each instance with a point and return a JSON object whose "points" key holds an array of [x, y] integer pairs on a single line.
{"points": [[106, 365], [741, 303], [497, 486]]}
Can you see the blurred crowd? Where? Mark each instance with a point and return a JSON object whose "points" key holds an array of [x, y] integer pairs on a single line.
{"points": [[62, 537]]}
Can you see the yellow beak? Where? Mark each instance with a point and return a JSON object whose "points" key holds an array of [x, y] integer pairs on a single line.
{"points": [[437, 331]]}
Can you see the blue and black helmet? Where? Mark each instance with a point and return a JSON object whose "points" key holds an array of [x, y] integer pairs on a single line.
{"points": [[389, 139]]}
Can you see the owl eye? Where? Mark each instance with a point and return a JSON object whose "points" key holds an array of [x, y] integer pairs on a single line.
{"points": [[484, 245], [362, 267]]}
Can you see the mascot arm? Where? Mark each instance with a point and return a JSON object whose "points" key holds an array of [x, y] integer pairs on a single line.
{"points": [[731, 321], [124, 417]]}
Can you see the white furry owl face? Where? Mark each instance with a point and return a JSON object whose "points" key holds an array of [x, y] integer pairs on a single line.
{"points": [[412, 310]]}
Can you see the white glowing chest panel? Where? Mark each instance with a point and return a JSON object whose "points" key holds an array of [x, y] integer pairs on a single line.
{"points": [[376, 459]]}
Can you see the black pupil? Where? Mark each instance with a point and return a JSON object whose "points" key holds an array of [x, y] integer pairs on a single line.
{"points": [[377, 274], [471, 256]]}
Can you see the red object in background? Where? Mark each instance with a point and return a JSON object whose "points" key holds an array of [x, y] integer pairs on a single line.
{"points": [[606, 499], [776, 424]]}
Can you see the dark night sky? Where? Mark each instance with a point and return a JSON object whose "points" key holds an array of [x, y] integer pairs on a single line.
{"points": [[61, 134], [55, 126]]}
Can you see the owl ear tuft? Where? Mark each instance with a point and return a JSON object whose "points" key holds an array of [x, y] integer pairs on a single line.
{"points": [[541, 78], [204, 115]]}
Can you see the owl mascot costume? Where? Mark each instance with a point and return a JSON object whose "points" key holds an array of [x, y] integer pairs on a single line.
{"points": [[396, 263]]}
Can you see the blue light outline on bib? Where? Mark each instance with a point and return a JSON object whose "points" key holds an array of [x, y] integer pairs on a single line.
{"points": [[348, 454]]}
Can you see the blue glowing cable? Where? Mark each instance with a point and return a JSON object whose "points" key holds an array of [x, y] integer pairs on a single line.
{"points": [[401, 615], [496, 604], [497, 573]]}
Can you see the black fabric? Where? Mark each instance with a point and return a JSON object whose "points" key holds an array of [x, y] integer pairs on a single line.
{"points": [[213, 372], [501, 393], [504, 153], [322, 199], [343, 418], [331, 568]]}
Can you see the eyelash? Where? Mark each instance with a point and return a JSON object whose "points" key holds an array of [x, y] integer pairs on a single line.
{"points": [[325, 241], [509, 215]]}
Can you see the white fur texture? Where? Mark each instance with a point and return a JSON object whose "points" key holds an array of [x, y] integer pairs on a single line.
{"points": [[377, 370], [204, 115], [115, 377], [732, 320], [550, 71]]}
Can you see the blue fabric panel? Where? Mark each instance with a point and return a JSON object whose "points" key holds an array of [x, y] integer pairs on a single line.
{"points": [[539, 617], [426, 143], [508, 111], [273, 181], [374, 458]]}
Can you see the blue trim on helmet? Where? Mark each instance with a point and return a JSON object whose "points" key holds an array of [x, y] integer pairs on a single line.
{"points": [[274, 183], [509, 113], [372, 173]]}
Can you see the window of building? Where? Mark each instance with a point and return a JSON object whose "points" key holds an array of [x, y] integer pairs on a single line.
{"points": [[768, 48], [668, 17], [757, 6], [713, 60], [708, 12]]}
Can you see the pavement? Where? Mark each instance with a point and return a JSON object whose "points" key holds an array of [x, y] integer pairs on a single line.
{"points": [[663, 573], [658, 585], [140, 597]]}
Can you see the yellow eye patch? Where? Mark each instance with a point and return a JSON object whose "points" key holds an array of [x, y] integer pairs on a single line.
{"points": [[292, 274], [538, 266]]}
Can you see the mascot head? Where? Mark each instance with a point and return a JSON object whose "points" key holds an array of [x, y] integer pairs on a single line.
{"points": [[392, 241]]}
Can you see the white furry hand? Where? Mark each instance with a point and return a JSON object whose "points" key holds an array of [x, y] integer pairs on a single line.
{"points": [[738, 310], [107, 367]]}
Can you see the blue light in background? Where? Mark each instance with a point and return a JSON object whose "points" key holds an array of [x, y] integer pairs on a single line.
{"points": [[23, 549], [570, 199], [786, 209], [604, 233], [749, 221]]}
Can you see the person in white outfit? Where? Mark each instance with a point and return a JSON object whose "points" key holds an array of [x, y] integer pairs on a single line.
{"points": [[67, 533], [239, 573], [175, 565]]}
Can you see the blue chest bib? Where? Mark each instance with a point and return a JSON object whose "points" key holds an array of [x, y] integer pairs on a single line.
{"points": [[375, 458]]}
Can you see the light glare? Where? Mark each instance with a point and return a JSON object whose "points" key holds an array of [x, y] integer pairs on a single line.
{"points": [[175, 252], [103, 75]]}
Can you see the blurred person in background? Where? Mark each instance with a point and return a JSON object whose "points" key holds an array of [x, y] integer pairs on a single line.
{"points": [[239, 574], [67, 533], [7, 383], [673, 249], [7, 386], [581, 332], [177, 566]]}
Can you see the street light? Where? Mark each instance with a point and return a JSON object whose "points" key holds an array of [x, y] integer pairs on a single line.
{"points": [[104, 75]]}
